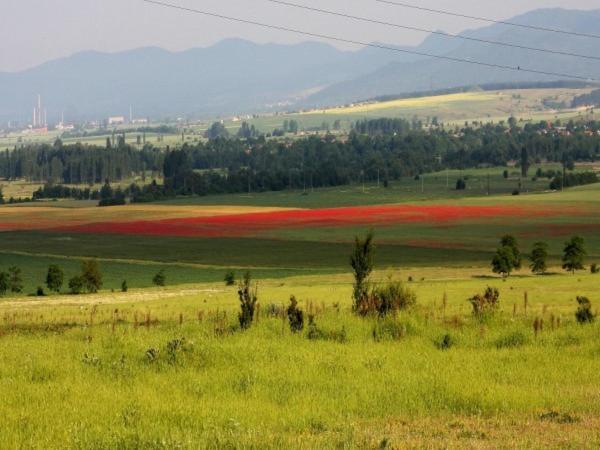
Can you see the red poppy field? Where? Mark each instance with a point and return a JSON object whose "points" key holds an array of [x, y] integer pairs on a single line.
{"points": [[257, 223]]}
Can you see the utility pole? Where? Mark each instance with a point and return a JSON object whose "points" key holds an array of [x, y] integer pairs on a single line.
{"points": [[422, 183]]}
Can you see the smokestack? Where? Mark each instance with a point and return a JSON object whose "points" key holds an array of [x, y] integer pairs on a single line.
{"points": [[34, 117], [45, 117], [39, 121]]}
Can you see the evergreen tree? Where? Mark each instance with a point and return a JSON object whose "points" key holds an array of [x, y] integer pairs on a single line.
{"points": [[160, 278], [362, 263], [4, 283], [16, 280], [54, 278]]}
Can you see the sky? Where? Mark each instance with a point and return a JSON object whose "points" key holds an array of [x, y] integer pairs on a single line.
{"points": [[36, 31]]}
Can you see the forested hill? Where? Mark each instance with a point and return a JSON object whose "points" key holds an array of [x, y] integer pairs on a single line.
{"points": [[383, 148]]}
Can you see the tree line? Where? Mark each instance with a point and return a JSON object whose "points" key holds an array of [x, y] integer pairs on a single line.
{"points": [[77, 163], [381, 149]]}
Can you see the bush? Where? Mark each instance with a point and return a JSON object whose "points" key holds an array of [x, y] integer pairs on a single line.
{"points": [[124, 287], [40, 292], [487, 303], [387, 298], [594, 269], [445, 342], [295, 316], [584, 312]]}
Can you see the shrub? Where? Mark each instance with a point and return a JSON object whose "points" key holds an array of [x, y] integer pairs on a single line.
{"points": [[160, 278], [445, 342], [584, 312], [295, 316], [512, 340], [229, 278], [248, 299], [124, 287], [389, 297], [594, 269], [487, 303], [40, 292], [76, 285]]}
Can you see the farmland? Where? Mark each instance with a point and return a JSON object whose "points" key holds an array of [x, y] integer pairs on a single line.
{"points": [[164, 367], [527, 105]]}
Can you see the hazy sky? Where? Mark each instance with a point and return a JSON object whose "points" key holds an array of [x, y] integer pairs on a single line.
{"points": [[34, 31]]}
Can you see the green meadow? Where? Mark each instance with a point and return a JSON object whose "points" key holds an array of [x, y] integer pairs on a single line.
{"points": [[170, 367]]}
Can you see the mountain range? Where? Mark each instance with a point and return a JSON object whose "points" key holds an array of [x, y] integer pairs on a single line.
{"points": [[237, 76]]}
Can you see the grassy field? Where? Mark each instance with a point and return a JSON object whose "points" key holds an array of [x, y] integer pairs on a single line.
{"points": [[483, 106], [170, 368], [139, 371]]}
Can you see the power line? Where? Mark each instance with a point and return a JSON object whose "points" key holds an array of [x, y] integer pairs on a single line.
{"points": [[424, 30], [366, 44], [485, 19]]}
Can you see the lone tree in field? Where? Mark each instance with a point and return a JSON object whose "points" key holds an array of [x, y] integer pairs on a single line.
{"points": [[507, 257], [574, 254], [248, 299], [76, 285], [361, 261], [229, 278], [160, 278], [91, 276], [539, 257], [16, 280], [55, 278]]}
